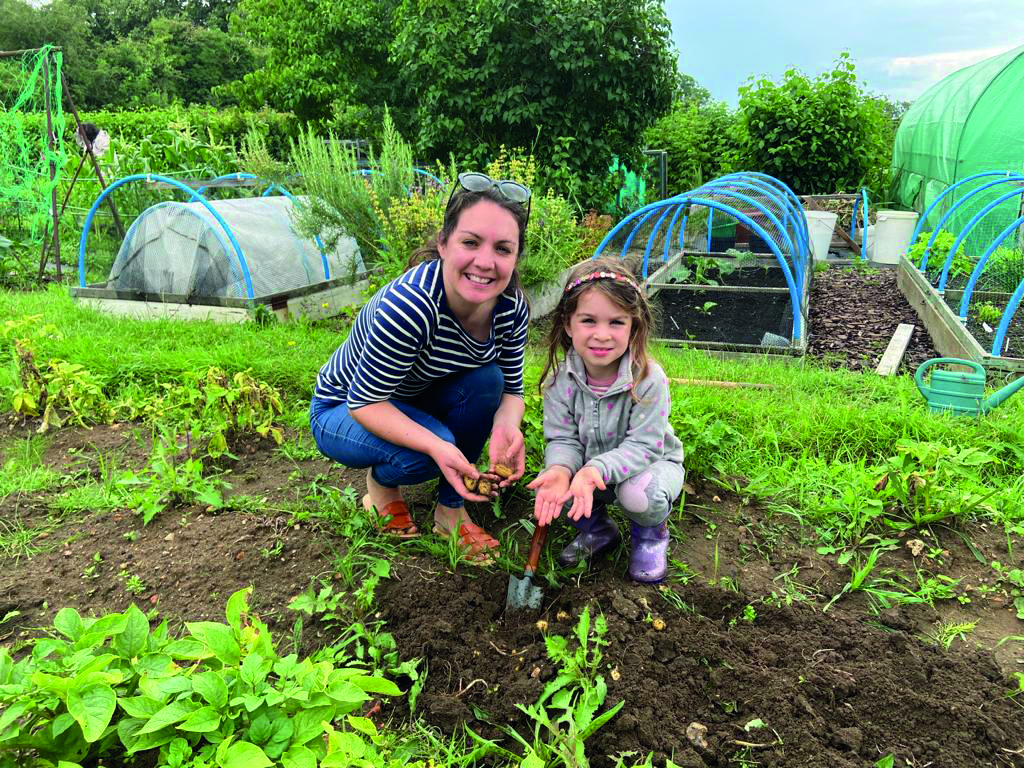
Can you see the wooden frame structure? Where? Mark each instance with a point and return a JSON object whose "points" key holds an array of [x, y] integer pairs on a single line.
{"points": [[51, 140]]}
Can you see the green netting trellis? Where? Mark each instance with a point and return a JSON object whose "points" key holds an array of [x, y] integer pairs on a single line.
{"points": [[25, 151]]}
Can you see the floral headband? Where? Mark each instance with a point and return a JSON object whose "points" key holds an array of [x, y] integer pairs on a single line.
{"points": [[602, 276]]}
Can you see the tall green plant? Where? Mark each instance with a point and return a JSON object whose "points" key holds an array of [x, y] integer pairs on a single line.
{"points": [[345, 199], [818, 136]]}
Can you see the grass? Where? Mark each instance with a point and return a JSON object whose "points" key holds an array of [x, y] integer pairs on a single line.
{"points": [[22, 469], [812, 444], [17, 541], [811, 447]]}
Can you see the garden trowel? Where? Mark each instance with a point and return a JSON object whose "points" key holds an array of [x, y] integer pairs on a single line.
{"points": [[522, 593]]}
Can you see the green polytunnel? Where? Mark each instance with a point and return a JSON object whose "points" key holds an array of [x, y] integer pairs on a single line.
{"points": [[968, 123]]}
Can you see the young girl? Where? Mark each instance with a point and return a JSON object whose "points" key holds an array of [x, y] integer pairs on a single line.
{"points": [[606, 425]]}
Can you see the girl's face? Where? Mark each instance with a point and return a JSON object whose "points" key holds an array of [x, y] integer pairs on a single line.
{"points": [[479, 257], [600, 330]]}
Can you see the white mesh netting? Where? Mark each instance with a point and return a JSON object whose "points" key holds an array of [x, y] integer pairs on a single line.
{"points": [[181, 249]]}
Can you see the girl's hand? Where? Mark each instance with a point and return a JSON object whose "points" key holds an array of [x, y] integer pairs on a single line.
{"points": [[507, 447], [453, 465], [582, 492], [552, 486]]}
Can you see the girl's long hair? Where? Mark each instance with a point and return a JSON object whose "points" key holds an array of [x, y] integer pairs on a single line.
{"points": [[627, 295]]}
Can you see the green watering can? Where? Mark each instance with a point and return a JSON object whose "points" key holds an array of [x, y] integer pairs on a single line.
{"points": [[957, 391]]}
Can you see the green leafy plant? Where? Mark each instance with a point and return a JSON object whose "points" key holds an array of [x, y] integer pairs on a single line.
{"points": [[1012, 580], [170, 480], [566, 713], [923, 483], [859, 572], [54, 388], [961, 266], [817, 135], [987, 312], [221, 695]]}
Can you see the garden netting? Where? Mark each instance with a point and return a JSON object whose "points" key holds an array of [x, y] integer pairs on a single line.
{"points": [[971, 121], [181, 249], [25, 153]]}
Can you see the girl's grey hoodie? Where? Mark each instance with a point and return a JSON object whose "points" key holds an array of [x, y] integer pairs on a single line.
{"points": [[612, 432]]}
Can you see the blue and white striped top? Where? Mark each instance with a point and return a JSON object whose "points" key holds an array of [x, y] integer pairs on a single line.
{"points": [[406, 337]]}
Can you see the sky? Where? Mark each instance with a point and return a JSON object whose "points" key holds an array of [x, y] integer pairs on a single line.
{"points": [[900, 47]]}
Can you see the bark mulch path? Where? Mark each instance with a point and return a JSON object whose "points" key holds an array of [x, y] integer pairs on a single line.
{"points": [[854, 314]]}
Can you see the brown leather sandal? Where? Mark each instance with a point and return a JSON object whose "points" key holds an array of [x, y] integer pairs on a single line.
{"points": [[476, 544], [394, 519]]}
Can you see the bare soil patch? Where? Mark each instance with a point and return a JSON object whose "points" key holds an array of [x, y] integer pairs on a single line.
{"points": [[834, 689]]}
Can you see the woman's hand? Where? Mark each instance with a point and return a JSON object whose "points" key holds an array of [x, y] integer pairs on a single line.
{"points": [[581, 489], [507, 447], [454, 466], [552, 486]]}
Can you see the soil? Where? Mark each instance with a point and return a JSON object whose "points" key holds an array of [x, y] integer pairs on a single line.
{"points": [[745, 635], [707, 315], [838, 688]]}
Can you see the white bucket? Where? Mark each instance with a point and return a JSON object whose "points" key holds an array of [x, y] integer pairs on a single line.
{"points": [[820, 225], [892, 234]]}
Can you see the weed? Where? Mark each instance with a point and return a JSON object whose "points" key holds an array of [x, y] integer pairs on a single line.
{"points": [[17, 541], [859, 572], [133, 584], [92, 571], [1012, 582], [24, 471], [170, 480], [566, 713], [302, 449], [946, 632], [269, 553]]}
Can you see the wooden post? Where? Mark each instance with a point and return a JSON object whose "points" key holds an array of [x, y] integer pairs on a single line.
{"points": [[53, 178], [92, 157]]}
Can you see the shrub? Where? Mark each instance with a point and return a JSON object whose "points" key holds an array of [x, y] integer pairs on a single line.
{"points": [[701, 142], [818, 136]]}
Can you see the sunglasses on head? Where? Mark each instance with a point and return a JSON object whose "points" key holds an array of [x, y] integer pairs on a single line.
{"points": [[481, 182]]}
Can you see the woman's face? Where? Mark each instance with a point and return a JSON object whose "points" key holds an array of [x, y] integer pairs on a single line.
{"points": [[479, 256]]}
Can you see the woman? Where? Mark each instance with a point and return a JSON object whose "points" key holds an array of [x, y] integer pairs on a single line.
{"points": [[434, 366]]}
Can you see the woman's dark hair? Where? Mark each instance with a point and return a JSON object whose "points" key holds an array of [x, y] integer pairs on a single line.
{"points": [[462, 201]]}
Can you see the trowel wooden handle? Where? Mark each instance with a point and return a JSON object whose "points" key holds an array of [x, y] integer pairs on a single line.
{"points": [[536, 544]]}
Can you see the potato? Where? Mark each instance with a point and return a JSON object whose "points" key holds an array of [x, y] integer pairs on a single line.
{"points": [[483, 487], [503, 471], [470, 482]]}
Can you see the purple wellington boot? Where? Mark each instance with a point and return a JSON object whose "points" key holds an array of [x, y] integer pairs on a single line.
{"points": [[648, 555], [597, 535]]}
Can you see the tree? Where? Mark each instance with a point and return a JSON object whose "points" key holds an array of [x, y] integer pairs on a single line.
{"points": [[576, 80], [322, 57], [692, 93], [819, 136]]}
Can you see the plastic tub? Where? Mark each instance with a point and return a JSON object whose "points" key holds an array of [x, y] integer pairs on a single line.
{"points": [[892, 235], [820, 225]]}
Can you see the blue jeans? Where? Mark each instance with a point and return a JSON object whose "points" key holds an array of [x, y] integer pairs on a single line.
{"points": [[459, 409]]}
